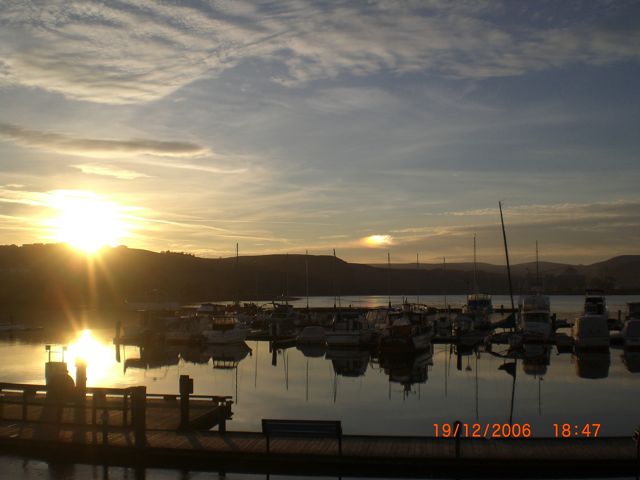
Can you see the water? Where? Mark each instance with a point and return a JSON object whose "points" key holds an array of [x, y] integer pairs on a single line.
{"points": [[369, 396]]}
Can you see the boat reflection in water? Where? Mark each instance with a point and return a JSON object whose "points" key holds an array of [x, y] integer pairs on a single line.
{"points": [[153, 356], [408, 370], [158, 356], [535, 359], [349, 362], [592, 365], [311, 350], [631, 359]]}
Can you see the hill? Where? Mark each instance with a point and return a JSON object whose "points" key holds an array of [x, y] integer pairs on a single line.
{"points": [[55, 275]]}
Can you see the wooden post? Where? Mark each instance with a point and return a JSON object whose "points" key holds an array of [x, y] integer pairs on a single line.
{"points": [[105, 426], [186, 388], [138, 414], [125, 408]]}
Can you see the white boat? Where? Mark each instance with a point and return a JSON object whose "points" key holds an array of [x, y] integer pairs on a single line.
{"points": [[534, 317], [312, 335], [224, 329], [591, 329], [349, 330]]}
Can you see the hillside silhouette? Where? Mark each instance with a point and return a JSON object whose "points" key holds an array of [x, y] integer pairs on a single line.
{"points": [[55, 275]]}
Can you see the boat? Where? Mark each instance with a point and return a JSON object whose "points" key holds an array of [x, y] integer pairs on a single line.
{"points": [[478, 307], [408, 330], [312, 335], [349, 329], [534, 317], [224, 329], [590, 331], [630, 334]]}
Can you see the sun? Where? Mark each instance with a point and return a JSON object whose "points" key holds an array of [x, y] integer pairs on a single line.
{"points": [[85, 220], [378, 240]]}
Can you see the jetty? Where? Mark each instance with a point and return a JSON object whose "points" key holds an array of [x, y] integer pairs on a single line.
{"points": [[129, 427]]}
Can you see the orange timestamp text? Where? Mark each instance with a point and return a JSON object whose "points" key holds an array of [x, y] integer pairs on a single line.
{"points": [[479, 430]]}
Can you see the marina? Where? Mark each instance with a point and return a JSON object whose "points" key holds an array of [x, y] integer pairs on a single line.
{"points": [[476, 378]]}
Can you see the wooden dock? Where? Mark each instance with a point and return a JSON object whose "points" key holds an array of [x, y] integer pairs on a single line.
{"points": [[129, 427], [361, 455]]}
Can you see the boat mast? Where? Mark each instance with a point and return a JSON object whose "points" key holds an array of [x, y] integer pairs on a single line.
{"points": [[418, 281], [337, 292], [475, 268], [506, 254], [389, 277], [537, 266], [306, 266], [237, 275], [444, 270]]}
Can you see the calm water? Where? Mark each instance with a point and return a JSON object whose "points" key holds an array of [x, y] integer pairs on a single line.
{"points": [[369, 395]]}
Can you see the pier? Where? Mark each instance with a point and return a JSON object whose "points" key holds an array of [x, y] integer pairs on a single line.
{"points": [[129, 427]]}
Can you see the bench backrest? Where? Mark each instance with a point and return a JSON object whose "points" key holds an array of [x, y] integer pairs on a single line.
{"points": [[302, 428]]}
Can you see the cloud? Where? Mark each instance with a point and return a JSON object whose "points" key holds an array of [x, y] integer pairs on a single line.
{"points": [[93, 147], [142, 50], [109, 171]]}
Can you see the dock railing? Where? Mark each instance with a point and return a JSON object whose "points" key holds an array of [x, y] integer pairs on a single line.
{"points": [[94, 407]]}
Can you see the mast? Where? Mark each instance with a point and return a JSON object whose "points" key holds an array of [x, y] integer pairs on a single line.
{"points": [[306, 266], [444, 270], [237, 275], [418, 282], [337, 292], [475, 268], [537, 266], [389, 277], [506, 253]]}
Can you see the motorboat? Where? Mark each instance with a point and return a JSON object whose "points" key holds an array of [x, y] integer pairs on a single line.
{"points": [[224, 329], [590, 331], [478, 309], [630, 333], [408, 330], [349, 329], [534, 317]]}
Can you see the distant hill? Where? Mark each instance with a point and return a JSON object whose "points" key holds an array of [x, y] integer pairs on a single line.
{"points": [[55, 275]]}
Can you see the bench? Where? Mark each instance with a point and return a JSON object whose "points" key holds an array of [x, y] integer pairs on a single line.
{"points": [[303, 428]]}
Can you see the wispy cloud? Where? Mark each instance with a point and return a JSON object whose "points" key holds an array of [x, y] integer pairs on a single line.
{"points": [[110, 54], [109, 171], [94, 147]]}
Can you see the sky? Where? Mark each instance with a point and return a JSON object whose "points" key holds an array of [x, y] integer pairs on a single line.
{"points": [[286, 126]]}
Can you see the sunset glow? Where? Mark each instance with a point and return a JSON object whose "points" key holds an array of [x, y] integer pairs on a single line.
{"points": [[98, 356], [85, 221], [378, 240]]}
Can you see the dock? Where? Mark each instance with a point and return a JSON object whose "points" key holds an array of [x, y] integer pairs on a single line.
{"points": [[375, 456], [128, 427]]}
